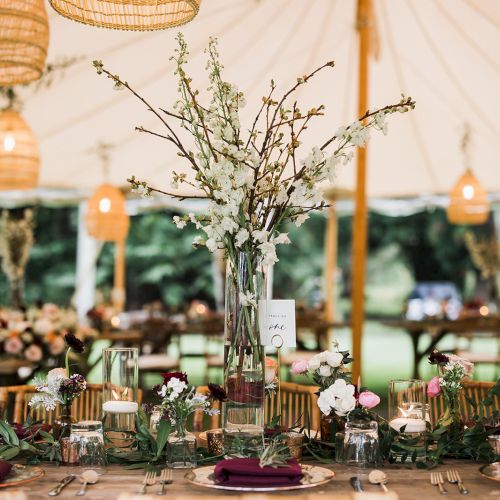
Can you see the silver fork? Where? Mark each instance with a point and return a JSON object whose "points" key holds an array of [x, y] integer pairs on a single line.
{"points": [[165, 478], [454, 478], [149, 480], [437, 480]]}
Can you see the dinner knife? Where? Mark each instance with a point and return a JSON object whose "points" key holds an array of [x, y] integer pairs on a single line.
{"points": [[62, 484], [356, 483]]}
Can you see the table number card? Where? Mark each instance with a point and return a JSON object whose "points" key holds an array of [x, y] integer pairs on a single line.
{"points": [[277, 323]]}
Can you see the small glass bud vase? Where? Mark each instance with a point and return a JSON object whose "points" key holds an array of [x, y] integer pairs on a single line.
{"points": [[360, 445], [120, 380], [181, 449], [408, 416]]}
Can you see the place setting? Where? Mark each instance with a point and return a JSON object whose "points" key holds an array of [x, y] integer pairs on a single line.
{"points": [[249, 249]]}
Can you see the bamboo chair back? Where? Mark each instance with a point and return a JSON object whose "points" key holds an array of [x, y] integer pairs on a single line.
{"points": [[298, 404], [15, 400]]}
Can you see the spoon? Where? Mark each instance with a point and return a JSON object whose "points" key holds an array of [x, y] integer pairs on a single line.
{"points": [[378, 477], [88, 477]]}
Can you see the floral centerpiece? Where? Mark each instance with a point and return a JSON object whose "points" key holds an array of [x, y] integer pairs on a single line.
{"points": [[178, 401], [60, 387], [255, 178], [338, 397], [453, 370]]}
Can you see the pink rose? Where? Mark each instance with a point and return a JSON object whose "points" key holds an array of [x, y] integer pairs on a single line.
{"points": [[13, 345], [433, 387], [467, 365], [300, 367], [33, 353], [271, 370], [57, 372], [368, 399]]}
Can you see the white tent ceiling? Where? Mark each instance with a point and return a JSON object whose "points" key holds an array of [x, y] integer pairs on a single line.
{"points": [[444, 53]]}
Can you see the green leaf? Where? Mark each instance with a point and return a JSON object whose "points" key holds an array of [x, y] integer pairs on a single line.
{"points": [[164, 429], [10, 453]]}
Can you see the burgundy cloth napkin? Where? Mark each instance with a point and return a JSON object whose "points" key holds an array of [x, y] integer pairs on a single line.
{"points": [[4, 470], [247, 472]]}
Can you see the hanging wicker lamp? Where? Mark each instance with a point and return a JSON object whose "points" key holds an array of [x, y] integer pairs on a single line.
{"points": [[24, 40], [19, 155], [136, 15], [107, 219], [468, 201]]}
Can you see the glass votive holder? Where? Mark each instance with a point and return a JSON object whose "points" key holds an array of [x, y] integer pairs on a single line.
{"points": [[360, 447], [87, 440], [408, 415], [120, 384], [215, 442], [494, 441], [295, 442]]}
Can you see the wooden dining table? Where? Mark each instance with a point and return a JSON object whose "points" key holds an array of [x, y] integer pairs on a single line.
{"points": [[407, 482]]}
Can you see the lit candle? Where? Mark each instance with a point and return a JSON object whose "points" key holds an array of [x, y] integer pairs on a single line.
{"points": [[413, 425], [120, 407]]}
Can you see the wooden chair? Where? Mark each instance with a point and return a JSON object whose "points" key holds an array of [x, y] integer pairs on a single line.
{"points": [[475, 391], [14, 399], [298, 402]]}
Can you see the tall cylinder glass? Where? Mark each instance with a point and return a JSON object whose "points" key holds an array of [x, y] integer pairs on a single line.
{"points": [[408, 416], [120, 385], [244, 378]]}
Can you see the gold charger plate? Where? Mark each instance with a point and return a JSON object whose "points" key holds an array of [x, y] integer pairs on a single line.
{"points": [[21, 474], [313, 476], [491, 471]]}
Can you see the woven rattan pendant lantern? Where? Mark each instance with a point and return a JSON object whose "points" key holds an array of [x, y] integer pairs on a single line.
{"points": [[107, 219], [468, 199], [136, 15], [19, 155], [24, 39]]}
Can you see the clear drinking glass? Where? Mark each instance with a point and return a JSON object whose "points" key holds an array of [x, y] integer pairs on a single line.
{"points": [[120, 381], [408, 414], [87, 438], [360, 446]]}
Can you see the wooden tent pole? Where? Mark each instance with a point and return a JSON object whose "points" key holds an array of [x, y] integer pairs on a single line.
{"points": [[118, 294], [359, 233], [330, 266]]}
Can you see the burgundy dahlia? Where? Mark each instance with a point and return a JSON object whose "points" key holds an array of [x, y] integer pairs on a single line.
{"points": [[179, 375], [74, 342], [217, 393], [438, 358]]}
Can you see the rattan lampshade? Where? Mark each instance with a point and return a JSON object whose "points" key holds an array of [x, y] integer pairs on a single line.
{"points": [[468, 201], [106, 217], [136, 15], [24, 39], [19, 155]]}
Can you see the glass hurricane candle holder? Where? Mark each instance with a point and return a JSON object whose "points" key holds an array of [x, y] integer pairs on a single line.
{"points": [[120, 380], [408, 415]]}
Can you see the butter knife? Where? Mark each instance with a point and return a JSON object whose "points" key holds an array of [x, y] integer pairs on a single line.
{"points": [[356, 483], [62, 484]]}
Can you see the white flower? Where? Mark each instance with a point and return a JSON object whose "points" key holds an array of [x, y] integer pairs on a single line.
{"points": [[300, 219], [345, 405], [260, 235], [314, 363], [176, 385], [325, 371], [198, 241], [211, 244], [281, 239], [268, 251], [334, 359], [326, 401], [247, 299], [180, 223], [241, 237]]}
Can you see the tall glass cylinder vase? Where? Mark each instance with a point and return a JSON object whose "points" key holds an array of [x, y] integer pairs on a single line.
{"points": [[244, 365], [120, 380]]}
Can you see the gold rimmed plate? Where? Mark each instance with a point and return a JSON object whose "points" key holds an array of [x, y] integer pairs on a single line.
{"points": [[21, 474], [313, 476], [491, 471]]}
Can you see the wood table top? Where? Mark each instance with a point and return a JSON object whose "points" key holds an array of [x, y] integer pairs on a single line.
{"points": [[408, 482]]}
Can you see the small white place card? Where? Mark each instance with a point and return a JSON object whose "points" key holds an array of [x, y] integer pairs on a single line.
{"points": [[277, 323]]}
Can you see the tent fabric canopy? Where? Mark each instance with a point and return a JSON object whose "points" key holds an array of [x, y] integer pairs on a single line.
{"points": [[444, 54]]}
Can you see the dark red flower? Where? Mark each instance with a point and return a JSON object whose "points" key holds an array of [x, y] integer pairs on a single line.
{"points": [[74, 342], [179, 375], [438, 358], [217, 393]]}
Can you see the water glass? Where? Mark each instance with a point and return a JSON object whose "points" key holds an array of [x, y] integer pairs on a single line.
{"points": [[88, 439], [360, 447]]}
